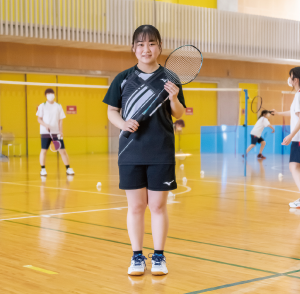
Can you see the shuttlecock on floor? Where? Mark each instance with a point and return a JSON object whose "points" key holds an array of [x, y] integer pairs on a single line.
{"points": [[280, 175], [98, 186], [202, 174], [182, 166]]}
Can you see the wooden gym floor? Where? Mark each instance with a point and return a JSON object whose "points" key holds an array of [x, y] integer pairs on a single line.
{"points": [[227, 234]]}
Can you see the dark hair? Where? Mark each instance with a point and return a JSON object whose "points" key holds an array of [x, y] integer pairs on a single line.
{"points": [[296, 73], [263, 113], [146, 31], [49, 91]]}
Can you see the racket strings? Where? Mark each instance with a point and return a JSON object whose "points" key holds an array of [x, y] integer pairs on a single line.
{"points": [[183, 65]]}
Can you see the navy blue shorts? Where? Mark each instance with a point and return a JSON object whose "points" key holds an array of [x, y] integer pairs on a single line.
{"points": [[295, 152], [156, 177], [255, 140], [46, 141]]}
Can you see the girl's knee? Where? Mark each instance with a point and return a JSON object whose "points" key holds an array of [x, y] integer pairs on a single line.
{"points": [[137, 208], [157, 208]]}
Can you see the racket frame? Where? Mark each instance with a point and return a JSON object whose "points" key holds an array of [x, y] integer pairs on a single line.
{"points": [[199, 67], [56, 141]]}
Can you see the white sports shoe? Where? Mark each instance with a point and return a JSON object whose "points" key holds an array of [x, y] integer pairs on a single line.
{"points": [[70, 171], [295, 204], [159, 265], [43, 172], [137, 266]]}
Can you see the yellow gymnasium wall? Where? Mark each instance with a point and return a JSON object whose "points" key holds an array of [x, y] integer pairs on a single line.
{"points": [[202, 3], [86, 131], [252, 92], [205, 113], [12, 109]]}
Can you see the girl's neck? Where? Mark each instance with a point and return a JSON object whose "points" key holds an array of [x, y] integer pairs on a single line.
{"points": [[148, 68], [297, 88]]}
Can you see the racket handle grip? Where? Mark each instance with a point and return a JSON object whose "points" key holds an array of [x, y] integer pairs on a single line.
{"points": [[126, 134]]}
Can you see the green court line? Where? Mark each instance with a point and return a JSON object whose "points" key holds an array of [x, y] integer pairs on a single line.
{"points": [[170, 237], [235, 284], [245, 282], [123, 243], [293, 276], [187, 240]]}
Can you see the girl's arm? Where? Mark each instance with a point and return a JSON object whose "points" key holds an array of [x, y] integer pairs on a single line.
{"points": [[176, 107], [40, 121], [287, 140], [61, 127], [116, 119], [271, 127], [283, 113]]}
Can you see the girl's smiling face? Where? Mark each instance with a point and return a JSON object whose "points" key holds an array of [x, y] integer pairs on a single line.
{"points": [[147, 51]]}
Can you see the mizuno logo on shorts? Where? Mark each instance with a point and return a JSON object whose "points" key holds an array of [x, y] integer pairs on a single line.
{"points": [[168, 183]]}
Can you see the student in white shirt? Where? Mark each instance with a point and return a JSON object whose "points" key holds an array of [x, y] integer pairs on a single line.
{"points": [[257, 130], [50, 115], [294, 136]]}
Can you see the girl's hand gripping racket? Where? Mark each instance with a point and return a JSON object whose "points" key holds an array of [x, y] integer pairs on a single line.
{"points": [[56, 144], [181, 67]]}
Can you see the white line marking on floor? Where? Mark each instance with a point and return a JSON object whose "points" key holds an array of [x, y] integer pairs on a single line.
{"points": [[62, 213], [239, 184], [57, 188]]}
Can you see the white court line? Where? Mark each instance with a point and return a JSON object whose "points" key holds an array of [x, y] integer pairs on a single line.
{"points": [[188, 189], [239, 184], [62, 213], [56, 188]]}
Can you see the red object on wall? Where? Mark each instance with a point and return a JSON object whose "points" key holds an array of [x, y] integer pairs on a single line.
{"points": [[189, 111], [71, 109], [243, 111]]}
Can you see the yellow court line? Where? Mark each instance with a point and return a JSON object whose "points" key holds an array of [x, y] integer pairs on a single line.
{"points": [[40, 270]]}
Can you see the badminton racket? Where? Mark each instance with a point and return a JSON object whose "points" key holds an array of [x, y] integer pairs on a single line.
{"points": [[256, 105], [56, 144], [181, 67]]}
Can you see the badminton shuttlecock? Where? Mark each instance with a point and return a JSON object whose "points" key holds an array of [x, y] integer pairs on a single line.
{"points": [[184, 179], [182, 166], [98, 186], [280, 175], [202, 174]]}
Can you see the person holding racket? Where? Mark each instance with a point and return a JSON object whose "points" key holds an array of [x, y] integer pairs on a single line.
{"points": [[50, 115], [294, 136], [147, 157], [256, 132]]}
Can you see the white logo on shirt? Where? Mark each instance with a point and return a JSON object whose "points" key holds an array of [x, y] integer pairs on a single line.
{"points": [[164, 80], [168, 183]]}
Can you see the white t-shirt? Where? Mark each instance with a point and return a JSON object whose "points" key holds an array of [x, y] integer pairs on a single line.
{"points": [[51, 114], [295, 108], [259, 126]]}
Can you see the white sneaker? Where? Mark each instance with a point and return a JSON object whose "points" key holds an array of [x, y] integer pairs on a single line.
{"points": [[137, 266], [295, 204], [43, 172], [159, 265], [70, 171]]}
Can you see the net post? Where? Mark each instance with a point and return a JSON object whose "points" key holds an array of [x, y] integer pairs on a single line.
{"points": [[245, 131]]}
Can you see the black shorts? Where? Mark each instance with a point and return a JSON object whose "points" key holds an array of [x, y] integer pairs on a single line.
{"points": [[46, 141], [157, 177], [295, 152], [255, 140]]}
